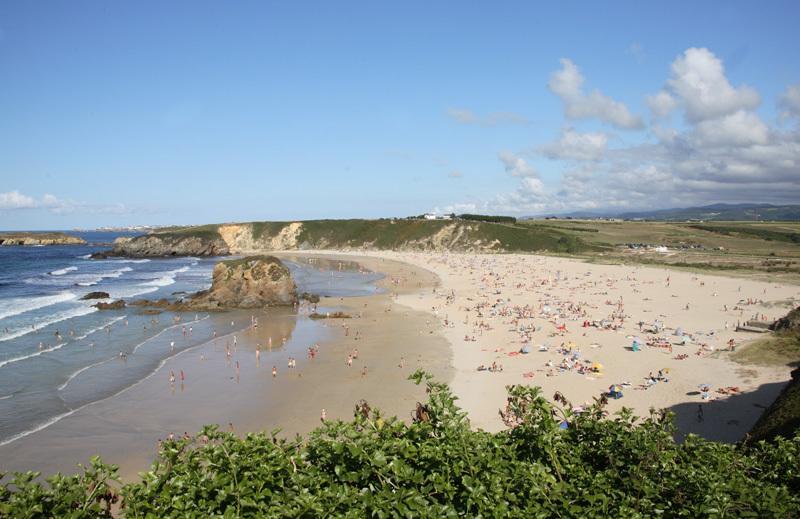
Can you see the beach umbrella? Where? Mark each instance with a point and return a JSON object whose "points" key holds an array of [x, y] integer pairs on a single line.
{"points": [[597, 366]]}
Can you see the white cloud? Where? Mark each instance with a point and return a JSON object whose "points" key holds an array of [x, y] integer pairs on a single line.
{"points": [[789, 101], [16, 200], [573, 145], [516, 165], [465, 116], [699, 82], [567, 84], [738, 129], [661, 104]]}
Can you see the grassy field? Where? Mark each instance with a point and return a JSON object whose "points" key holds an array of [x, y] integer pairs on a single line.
{"points": [[765, 249]]}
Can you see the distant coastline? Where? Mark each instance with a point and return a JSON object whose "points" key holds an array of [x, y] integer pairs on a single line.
{"points": [[38, 238]]}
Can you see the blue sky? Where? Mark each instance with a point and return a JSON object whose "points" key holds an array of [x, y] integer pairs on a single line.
{"points": [[118, 113]]}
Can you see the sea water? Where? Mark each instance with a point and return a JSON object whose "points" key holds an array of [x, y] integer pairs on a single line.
{"points": [[58, 353]]}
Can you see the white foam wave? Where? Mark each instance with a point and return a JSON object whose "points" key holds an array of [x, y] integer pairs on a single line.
{"points": [[129, 261], [60, 417], [98, 328], [69, 379], [160, 282], [85, 256], [55, 318], [20, 305], [61, 272]]}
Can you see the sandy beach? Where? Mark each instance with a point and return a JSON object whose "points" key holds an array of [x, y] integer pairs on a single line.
{"points": [[585, 316], [448, 314], [239, 391]]}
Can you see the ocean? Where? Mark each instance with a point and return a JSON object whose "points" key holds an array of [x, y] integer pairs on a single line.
{"points": [[59, 354]]}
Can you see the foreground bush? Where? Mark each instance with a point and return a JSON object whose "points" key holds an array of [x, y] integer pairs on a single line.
{"points": [[439, 467]]}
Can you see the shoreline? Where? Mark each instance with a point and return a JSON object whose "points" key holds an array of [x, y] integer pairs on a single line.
{"points": [[124, 429]]}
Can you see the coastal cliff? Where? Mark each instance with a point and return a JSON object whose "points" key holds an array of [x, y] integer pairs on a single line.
{"points": [[39, 238], [165, 244], [383, 234]]}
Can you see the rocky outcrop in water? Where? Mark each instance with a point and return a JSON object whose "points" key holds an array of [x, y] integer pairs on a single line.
{"points": [[252, 282], [95, 295], [39, 238], [166, 245], [115, 305]]}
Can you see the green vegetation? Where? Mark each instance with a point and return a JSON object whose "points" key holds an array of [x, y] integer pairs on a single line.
{"points": [[488, 218], [750, 230], [782, 418], [741, 248], [206, 232], [438, 466]]}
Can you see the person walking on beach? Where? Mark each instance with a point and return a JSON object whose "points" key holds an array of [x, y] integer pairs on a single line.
{"points": [[274, 371]]}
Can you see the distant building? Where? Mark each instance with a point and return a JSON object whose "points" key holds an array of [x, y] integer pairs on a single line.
{"points": [[433, 216]]}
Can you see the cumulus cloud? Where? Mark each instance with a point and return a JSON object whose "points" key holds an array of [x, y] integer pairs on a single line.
{"points": [[573, 145], [516, 165], [698, 80], [661, 104], [723, 153], [16, 200], [465, 116], [567, 83]]}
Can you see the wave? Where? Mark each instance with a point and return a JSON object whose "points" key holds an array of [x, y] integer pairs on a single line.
{"points": [[61, 416], [56, 318], [61, 272], [160, 282], [129, 261], [20, 305], [85, 256], [136, 348], [98, 328], [69, 379]]}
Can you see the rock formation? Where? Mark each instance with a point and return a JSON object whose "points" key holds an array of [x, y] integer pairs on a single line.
{"points": [[167, 244], [115, 305], [39, 238], [251, 282], [95, 295]]}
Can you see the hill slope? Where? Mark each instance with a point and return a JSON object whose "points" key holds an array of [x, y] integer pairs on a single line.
{"points": [[349, 234]]}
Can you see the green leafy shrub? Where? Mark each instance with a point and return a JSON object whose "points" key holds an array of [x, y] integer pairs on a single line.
{"points": [[437, 466]]}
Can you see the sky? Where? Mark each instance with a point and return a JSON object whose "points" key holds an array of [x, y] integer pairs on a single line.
{"points": [[130, 113]]}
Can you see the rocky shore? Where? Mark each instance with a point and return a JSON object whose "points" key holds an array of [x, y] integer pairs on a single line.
{"points": [[39, 238]]}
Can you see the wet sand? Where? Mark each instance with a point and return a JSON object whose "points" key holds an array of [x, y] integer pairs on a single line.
{"points": [[125, 429]]}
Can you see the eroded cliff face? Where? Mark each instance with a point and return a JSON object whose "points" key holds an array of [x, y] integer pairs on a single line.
{"points": [[252, 282], [33, 238], [165, 244], [240, 238]]}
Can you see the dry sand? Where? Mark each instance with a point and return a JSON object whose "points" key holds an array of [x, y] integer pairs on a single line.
{"points": [[488, 293]]}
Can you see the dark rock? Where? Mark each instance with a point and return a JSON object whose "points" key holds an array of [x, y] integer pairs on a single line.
{"points": [[95, 295], [116, 305]]}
